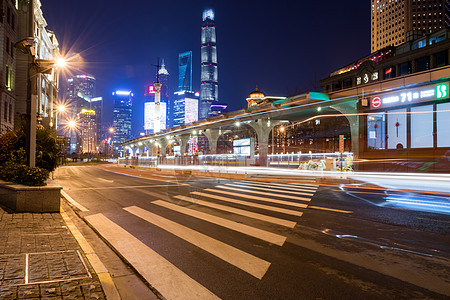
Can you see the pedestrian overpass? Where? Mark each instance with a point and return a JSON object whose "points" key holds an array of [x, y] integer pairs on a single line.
{"points": [[259, 121]]}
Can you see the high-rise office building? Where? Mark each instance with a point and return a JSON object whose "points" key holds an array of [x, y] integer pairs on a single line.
{"points": [[80, 94], [395, 22], [185, 71], [87, 137], [209, 74], [185, 108], [122, 117]]}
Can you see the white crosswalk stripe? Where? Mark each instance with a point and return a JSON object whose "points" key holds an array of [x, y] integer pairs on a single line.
{"points": [[171, 282], [242, 228], [263, 193], [270, 189], [238, 211], [284, 187], [240, 259], [271, 200], [246, 203]]}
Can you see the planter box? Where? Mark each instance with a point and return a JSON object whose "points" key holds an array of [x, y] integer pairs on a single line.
{"points": [[36, 199]]}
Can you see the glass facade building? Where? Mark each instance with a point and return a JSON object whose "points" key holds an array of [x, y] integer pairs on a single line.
{"points": [[122, 118], [80, 94], [185, 71], [209, 72], [185, 108]]}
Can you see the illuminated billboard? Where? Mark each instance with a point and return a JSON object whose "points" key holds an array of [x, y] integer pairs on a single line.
{"points": [[150, 117], [413, 95], [190, 110], [242, 146]]}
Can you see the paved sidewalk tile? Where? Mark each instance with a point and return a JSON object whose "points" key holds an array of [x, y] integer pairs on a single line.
{"points": [[40, 259]]}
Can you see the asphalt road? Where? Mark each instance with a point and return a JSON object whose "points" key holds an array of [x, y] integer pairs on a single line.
{"points": [[203, 238]]}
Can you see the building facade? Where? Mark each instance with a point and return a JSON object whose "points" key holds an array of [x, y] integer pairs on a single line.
{"points": [[45, 77], [8, 34], [403, 103], [79, 95], [185, 71], [87, 123], [395, 22], [185, 108], [425, 53], [209, 73], [122, 118]]}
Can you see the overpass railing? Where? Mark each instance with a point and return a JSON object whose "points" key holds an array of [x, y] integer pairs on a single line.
{"points": [[304, 161]]}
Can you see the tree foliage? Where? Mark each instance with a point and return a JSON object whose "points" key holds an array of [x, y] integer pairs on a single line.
{"points": [[13, 157]]}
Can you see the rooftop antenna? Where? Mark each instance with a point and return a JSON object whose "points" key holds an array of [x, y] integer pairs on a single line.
{"points": [[158, 67]]}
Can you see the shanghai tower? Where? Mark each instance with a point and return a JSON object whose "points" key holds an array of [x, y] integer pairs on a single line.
{"points": [[209, 77]]}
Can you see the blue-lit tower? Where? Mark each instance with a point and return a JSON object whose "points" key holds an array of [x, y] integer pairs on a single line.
{"points": [[209, 75], [185, 71], [122, 116]]}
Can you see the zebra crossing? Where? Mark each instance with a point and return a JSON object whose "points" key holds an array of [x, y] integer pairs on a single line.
{"points": [[269, 204]]}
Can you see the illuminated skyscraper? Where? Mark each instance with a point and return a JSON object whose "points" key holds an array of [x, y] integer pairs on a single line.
{"points": [[395, 22], [122, 117], [185, 71], [80, 94], [185, 108], [87, 131], [209, 75]]}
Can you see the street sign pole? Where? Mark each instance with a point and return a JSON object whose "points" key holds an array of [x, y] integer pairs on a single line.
{"points": [[341, 148]]}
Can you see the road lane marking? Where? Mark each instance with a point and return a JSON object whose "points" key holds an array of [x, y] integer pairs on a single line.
{"points": [[242, 228], [73, 202], [122, 187], [167, 279], [331, 209], [140, 176], [251, 264], [261, 198], [305, 189], [270, 189], [246, 203], [105, 180], [238, 211]]}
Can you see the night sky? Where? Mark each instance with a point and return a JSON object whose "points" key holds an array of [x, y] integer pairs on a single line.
{"points": [[283, 47]]}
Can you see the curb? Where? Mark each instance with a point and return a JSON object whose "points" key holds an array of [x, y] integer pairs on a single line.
{"points": [[108, 286]]}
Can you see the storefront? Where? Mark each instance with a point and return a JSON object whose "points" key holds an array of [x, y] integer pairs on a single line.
{"points": [[407, 130]]}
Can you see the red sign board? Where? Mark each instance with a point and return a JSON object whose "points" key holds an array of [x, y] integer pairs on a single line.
{"points": [[151, 89], [376, 102]]}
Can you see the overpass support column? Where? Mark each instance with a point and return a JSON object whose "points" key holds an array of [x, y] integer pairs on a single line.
{"points": [[183, 140], [263, 127], [213, 136], [163, 144], [349, 110]]}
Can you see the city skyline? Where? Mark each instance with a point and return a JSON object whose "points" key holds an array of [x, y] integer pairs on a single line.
{"points": [[246, 40]]}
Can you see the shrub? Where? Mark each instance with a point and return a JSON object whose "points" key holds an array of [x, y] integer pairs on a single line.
{"points": [[35, 176], [12, 157], [23, 174]]}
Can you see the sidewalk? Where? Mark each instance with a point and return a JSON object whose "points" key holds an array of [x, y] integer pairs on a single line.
{"points": [[40, 259]]}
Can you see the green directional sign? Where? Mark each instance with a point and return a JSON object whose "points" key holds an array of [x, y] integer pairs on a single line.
{"points": [[442, 91]]}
